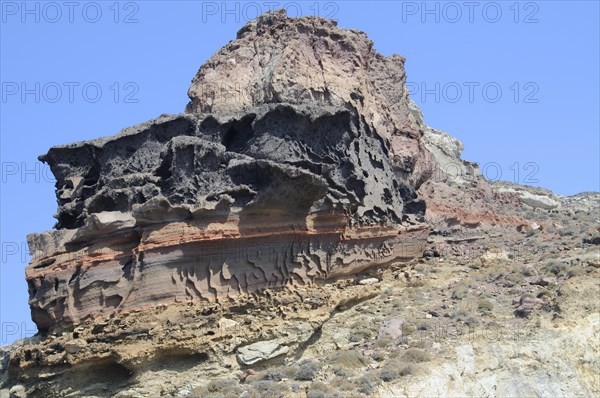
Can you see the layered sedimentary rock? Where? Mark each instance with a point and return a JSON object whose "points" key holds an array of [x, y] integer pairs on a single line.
{"points": [[245, 231], [456, 193], [207, 206], [300, 157]]}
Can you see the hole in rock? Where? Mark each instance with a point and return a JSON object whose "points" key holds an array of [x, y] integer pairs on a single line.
{"points": [[238, 134]]}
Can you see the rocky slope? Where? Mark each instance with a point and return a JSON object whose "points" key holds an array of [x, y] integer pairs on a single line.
{"points": [[296, 229], [511, 314]]}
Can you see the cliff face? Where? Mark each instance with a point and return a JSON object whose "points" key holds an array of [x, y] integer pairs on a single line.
{"points": [[311, 176], [277, 59], [250, 227], [202, 207], [299, 158], [312, 61]]}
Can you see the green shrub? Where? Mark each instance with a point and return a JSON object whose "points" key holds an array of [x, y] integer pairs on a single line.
{"points": [[218, 389], [462, 315], [513, 279], [556, 267], [290, 371], [544, 292], [274, 374], [397, 303], [414, 355], [528, 271], [378, 356], [268, 389], [493, 276], [408, 329], [460, 292], [361, 330], [485, 305], [320, 390], [423, 326], [359, 334], [307, 370], [389, 373], [423, 268], [393, 370], [340, 371], [366, 384], [383, 341], [406, 369], [567, 232], [343, 384], [348, 359]]}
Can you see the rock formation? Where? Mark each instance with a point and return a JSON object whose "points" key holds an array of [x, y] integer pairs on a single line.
{"points": [[244, 231], [308, 178], [312, 61], [276, 59]]}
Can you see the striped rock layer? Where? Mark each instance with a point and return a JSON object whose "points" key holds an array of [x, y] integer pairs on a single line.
{"points": [[205, 207]]}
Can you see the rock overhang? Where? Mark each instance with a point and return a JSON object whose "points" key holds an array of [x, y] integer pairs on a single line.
{"points": [[297, 193]]}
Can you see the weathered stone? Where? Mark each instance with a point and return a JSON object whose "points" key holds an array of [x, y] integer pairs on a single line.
{"points": [[392, 328], [309, 159], [206, 206], [194, 245], [261, 351], [310, 61], [368, 281], [225, 323], [494, 256], [537, 198], [544, 281], [18, 391], [592, 240], [527, 305]]}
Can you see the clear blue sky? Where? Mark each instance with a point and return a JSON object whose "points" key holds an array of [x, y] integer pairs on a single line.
{"points": [[517, 82]]}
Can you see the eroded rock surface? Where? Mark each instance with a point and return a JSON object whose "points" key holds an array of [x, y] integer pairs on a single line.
{"points": [[312, 61], [310, 170], [204, 206], [264, 228]]}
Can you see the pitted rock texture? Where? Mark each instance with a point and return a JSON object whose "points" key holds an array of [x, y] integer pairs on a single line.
{"points": [[262, 229], [296, 131], [213, 165], [205, 206], [310, 60]]}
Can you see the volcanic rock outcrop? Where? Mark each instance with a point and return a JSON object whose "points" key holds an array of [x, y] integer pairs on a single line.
{"points": [[277, 59], [313, 176], [300, 157], [268, 226], [312, 61]]}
